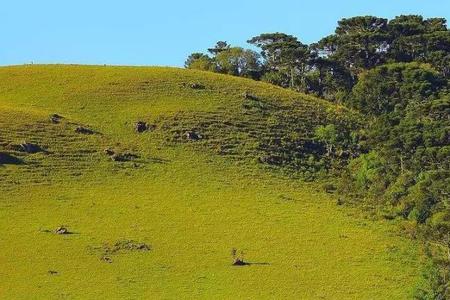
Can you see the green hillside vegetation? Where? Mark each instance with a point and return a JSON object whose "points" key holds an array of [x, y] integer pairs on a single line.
{"points": [[95, 205], [396, 74]]}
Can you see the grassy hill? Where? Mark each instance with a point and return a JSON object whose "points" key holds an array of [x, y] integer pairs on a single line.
{"points": [[156, 214]]}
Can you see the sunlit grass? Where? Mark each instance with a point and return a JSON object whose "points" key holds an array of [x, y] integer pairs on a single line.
{"points": [[190, 205]]}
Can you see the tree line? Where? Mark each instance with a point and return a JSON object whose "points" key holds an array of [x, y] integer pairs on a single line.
{"points": [[394, 72], [330, 67]]}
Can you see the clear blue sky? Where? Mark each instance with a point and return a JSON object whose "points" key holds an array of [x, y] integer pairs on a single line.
{"points": [[164, 32]]}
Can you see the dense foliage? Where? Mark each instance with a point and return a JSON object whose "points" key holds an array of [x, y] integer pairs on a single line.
{"points": [[332, 66], [227, 60], [396, 73]]}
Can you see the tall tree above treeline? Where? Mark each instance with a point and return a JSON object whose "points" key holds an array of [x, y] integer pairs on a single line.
{"points": [[330, 67], [396, 74]]}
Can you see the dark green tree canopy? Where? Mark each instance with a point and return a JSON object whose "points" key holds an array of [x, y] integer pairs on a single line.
{"points": [[235, 61], [332, 66], [219, 47], [407, 25], [396, 74], [391, 88], [359, 43], [280, 50], [239, 62], [361, 25], [283, 54], [199, 61]]}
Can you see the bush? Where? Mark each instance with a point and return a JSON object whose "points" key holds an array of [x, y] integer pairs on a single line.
{"points": [[434, 285], [368, 172]]}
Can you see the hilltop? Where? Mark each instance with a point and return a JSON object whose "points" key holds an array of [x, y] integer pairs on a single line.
{"points": [[159, 172]]}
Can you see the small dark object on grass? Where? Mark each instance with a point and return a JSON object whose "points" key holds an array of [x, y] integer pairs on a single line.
{"points": [[51, 272], [193, 136], [238, 260], [329, 188], [30, 148], [106, 259], [62, 230], [130, 245], [55, 118], [13, 147], [249, 96], [197, 86], [340, 201], [141, 126], [123, 157], [109, 152], [389, 216], [84, 130]]}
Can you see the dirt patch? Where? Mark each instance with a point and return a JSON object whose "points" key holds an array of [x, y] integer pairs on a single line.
{"points": [[121, 247]]}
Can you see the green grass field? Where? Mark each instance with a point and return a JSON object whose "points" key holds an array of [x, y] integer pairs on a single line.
{"points": [[191, 202]]}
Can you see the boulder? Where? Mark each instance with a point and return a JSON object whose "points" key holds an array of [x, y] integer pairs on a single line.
{"points": [[30, 147], [55, 118], [84, 130], [193, 136], [141, 126], [62, 230]]}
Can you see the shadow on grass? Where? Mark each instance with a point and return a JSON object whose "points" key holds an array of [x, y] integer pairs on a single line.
{"points": [[258, 263], [8, 159], [240, 263], [57, 232], [157, 160]]}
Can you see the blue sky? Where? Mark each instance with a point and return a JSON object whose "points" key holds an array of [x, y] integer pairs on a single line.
{"points": [[138, 32]]}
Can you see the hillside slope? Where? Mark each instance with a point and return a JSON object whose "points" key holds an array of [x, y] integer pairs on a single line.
{"points": [[156, 213]]}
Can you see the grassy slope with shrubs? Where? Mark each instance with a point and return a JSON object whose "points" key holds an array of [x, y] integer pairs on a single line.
{"points": [[187, 200]]}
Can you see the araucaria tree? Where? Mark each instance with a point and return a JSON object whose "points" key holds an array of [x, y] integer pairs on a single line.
{"points": [[396, 74]]}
